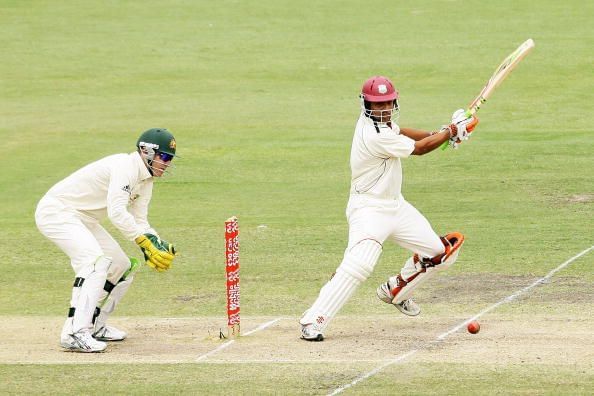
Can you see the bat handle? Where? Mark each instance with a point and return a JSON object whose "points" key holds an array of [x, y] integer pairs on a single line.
{"points": [[468, 113]]}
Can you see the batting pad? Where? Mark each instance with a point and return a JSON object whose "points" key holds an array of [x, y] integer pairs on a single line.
{"points": [[412, 269], [416, 272], [357, 265], [360, 260]]}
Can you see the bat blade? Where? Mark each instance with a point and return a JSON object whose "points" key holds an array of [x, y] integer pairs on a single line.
{"points": [[500, 74]]}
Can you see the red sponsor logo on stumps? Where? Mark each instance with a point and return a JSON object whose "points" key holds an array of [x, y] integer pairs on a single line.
{"points": [[232, 271]]}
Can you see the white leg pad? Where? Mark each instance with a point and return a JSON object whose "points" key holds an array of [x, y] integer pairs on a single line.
{"points": [[90, 292], [117, 284], [112, 300], [419, 276], [360, 260], [449, 261], [67, 328], [417, 271], [358, 263]]}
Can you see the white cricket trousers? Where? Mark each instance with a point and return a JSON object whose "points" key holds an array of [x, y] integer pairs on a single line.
{"points": [[394, 220], [94, 255], [81, 237], [372, 221]]}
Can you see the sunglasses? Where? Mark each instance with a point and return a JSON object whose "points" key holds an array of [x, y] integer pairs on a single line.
{"points": [[165, 157]]}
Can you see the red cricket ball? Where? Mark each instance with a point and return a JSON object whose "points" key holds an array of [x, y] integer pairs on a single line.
{"points": [[473, 327]]}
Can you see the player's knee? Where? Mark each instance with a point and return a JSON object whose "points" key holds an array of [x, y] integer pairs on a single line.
{"points": [[449, 250], [360, 260], [102, 264], [119, 266], [99, 266]]}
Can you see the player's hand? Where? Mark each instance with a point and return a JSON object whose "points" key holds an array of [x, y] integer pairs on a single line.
{"points": [[158, 253], [461, 127], [460, 118]]}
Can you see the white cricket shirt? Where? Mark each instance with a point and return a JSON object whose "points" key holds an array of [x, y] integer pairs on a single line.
{"points": [[119, 187], [375, 159]]}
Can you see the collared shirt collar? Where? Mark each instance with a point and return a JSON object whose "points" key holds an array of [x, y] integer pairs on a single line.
{"points": [[142, 168]]}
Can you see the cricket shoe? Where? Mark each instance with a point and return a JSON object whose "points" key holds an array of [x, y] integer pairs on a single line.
{"points": [[82, 341], [310, 333], [311, 327], [384, 293], [109, 333]]}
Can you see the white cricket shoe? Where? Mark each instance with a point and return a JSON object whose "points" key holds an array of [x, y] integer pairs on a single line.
{"points": [[109, 333], [310, 333], [82, 341], [384, 293], [409, 307]]}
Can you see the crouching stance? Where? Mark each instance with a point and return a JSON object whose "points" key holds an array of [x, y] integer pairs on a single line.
{"points": [[377, 211], [118, 187]]}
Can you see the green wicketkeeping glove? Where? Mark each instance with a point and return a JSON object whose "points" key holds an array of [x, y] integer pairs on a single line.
{"points": [[158, 253]]}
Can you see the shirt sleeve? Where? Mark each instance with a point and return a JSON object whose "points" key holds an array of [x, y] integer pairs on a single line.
{"points": [[139, 208], [388, 144], [118, 196]]}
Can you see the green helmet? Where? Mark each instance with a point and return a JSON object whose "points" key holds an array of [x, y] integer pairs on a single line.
{"points": [[159, 140]]}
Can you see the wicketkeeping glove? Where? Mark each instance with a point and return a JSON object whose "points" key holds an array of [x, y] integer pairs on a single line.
{"points": [[158, 253]]}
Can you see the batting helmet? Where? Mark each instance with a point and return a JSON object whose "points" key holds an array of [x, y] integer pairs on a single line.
{"points": [[378, 89]]}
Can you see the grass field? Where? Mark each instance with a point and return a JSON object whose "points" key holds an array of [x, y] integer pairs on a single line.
{"points": [[262, 98]]}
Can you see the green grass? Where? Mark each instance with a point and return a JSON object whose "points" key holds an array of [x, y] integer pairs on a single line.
{"points": [[262, 98], [425, 378], [480, 379]]}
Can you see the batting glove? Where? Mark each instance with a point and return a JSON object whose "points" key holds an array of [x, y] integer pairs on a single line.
{"points": [[461, 127]]}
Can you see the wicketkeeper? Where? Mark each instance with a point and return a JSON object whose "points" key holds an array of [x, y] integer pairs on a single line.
{"points": [[377, 211], [118, 187]]}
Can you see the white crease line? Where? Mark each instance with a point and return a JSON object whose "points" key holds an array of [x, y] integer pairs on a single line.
{"points": [[443, 336], [212, 362], [262, 326], [226, 344], [295, 361], [217, 349]]}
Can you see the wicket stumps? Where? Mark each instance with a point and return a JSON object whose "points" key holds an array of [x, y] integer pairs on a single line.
{"points": [[232, 270]]}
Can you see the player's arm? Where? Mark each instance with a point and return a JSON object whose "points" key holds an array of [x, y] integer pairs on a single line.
{"points": [[415, 134], [139, 208], [118, 197], [458, 130], [433, 141]]}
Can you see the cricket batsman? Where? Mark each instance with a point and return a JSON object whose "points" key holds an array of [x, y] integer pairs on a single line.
{"points": [[118, 187], [377, 211]]}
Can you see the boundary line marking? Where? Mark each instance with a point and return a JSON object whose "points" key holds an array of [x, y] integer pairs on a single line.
{"points": [[230, 342], [443, 336]]}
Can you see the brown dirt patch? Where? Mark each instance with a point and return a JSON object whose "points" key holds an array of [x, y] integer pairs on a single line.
{"points": [[580, 198], [469, 289]]}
